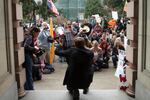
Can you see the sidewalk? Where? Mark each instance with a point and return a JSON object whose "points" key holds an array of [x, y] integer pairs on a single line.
{"points": [[104, 87], [64, 95], [102, 80]]}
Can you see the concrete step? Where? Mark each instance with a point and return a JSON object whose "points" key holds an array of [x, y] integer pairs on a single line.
{"points": [[64, 95]]}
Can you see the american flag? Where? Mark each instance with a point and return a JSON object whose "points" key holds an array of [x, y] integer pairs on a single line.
{"points": [[52, 8]]}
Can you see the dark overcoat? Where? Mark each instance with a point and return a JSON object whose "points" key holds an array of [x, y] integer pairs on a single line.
{"points": [[79, 73]]}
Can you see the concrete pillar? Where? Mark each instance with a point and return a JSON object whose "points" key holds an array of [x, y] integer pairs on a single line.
{"points": [[132, 49], [18, 50]]}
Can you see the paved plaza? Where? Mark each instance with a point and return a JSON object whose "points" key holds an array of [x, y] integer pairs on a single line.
{"points": [[102, 80], [104, 86], [64, 95]]}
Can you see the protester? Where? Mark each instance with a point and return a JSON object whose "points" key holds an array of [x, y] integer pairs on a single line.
{"points": [[93, 21], [117, 45], [29, 51], [88, 43], [79, 73], [75, 28], [45, 44], [98, 56], [94, 36], [98, 29], [68, 37], [120, 71], [59, 39], [105, 47], [36, 68]]}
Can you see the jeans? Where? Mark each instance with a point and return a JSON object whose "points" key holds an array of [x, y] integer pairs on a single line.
{"points": [[28, 66]]}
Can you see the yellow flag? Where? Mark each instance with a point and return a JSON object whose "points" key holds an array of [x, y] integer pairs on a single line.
{"points": [[52, 49]]}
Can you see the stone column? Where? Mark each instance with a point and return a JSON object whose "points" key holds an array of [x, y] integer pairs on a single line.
{"points": [[18, 50], [132, 49]]}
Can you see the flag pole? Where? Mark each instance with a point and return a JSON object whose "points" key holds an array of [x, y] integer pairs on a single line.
{"points": [[53, 10], [52, 49]]}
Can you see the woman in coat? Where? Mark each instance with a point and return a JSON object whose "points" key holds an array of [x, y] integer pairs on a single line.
{"points": [[79, 73]]}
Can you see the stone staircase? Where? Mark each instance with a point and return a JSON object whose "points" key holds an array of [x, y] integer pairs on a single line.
{"points": [[64, 95]]}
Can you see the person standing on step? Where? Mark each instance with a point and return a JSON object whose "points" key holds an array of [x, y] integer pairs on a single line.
{"points": [[45, 44], [29, 50]]}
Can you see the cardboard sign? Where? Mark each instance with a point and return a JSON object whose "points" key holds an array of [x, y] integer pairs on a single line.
{"points": [[120, 66], [120, 69], [97, 17], [115, 15]]}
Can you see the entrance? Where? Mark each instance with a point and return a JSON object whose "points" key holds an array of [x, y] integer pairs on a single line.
{"points": [[104, 80]]}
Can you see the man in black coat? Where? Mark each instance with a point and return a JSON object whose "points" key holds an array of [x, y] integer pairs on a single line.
{"points": [[79, 74]]}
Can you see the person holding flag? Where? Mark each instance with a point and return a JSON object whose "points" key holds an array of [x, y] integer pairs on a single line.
{"points": [[53, 11], [45, 42]]}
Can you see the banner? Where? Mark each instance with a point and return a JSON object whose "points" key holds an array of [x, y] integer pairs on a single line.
{"points": [[120, 66], [97, 18]]}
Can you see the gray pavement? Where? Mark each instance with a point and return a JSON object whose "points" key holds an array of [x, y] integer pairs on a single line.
{"points": [[104, 86], [102, 80], [64, 95]]}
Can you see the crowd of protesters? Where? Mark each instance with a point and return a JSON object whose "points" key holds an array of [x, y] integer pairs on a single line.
{"points": [[103, 39]]}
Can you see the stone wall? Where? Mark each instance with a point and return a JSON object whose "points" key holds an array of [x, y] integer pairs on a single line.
{"points": [[143, 81], [132, 49], [8, 85]]}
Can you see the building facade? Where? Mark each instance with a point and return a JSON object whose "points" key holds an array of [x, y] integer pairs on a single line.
{"points": [[8, 85], [143, 79], [12, 75], [138, 52], [71, 9]]}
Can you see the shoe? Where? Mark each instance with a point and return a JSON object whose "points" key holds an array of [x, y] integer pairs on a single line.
{"points": [[85, 91], [52, 69], [70, 90], [76, 94], [96, 69], [99, 69], [47, 71]]}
